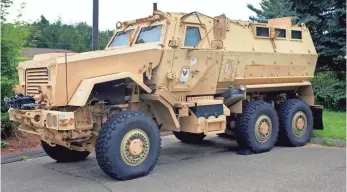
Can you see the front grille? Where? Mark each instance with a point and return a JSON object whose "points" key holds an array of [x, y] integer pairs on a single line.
{"points": [[51, 121], [34, 78]]}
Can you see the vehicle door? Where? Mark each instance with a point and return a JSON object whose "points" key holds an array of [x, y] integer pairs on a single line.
{"points": [[195, 62]]}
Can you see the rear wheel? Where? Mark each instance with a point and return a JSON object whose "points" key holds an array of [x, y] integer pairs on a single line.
{"points": [[189, 137], [257, 127], [63, 154], [296, 122], [128, 146]]}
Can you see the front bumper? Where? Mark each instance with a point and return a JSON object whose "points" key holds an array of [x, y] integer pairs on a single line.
{"points": [[38, 119]]}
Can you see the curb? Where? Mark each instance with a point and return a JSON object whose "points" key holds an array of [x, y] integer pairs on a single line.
{"points": [[328, 142], [20, 156]]}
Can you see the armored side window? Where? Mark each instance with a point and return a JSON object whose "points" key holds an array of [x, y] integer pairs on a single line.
{"points": [[262, 32], [121, 38], [281, 33], [192, 37], [149, 34], [296, 34]]}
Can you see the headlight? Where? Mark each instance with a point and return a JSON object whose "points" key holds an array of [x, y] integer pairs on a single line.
{"points": [[119, 25]]}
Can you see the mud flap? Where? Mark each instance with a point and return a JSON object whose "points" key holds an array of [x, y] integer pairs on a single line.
{"points": [[317, 112]]}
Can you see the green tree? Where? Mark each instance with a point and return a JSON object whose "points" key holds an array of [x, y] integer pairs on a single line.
{"points": [[269, 9], [326, 20], [76, 37], [13, 37], [5, 4]]}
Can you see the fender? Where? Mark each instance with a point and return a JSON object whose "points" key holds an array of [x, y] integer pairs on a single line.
{"points": [[84, 89]]}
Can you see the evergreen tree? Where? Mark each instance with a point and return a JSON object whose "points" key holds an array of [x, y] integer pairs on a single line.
{"points": [[268, 9], [326, 20]]}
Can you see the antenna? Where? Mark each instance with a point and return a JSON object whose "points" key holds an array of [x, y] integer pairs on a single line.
{"points": [[95, 30], [155, 7]]}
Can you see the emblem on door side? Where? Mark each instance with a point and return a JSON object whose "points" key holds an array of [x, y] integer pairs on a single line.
{"points": [[184, 75]]}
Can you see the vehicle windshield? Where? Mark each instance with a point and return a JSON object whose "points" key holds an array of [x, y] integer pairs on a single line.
{"points": [[149, 34], [121, 39]]}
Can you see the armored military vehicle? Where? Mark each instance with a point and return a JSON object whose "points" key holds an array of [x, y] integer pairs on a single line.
{"points": [[188, 73]]}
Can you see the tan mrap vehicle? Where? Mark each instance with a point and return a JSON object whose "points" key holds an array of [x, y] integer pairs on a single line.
{"points": [[190, 74]]}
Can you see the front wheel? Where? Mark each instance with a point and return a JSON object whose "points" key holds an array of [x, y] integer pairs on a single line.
{"points": [[63, 154], [128, 146]]}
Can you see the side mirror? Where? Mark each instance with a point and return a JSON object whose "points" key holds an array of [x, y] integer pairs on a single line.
{"points": [[219, 29]]}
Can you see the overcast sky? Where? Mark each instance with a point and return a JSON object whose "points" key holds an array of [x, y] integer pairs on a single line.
{"points": [[111, 11]]}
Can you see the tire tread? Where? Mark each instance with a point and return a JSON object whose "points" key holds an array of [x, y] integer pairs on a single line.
{"points": [[242, 122], [284, 110], [101, 147]]}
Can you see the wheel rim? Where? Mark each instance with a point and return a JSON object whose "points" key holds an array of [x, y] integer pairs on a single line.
{"points": [[299, 123], [263, 128], [134, 147]]}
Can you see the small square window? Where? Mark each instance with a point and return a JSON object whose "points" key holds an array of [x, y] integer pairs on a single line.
{"points": [[282, 33], [296, 34], [262, 32], [192, 36]]}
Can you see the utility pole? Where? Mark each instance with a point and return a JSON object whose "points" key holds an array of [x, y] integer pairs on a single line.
{"points": [[95, 33]]}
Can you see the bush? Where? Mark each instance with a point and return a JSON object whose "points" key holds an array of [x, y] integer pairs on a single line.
{"points": [[13, 36], [4, 144], [330, 90], [8, 127]]}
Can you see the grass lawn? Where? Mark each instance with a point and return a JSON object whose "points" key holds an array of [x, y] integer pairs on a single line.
{"points": [[334, 125]]}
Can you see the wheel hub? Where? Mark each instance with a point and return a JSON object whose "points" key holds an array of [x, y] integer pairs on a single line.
{"points": [[134, 147], [263, 128], [299, 123]]}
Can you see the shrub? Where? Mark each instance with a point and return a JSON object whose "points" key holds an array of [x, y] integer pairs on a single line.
{"points": [[4, 144], [8, 127], [330, 90], [13, 37]]}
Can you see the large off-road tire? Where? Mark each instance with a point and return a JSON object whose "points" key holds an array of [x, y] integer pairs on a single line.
{"points": [[186, 137], [128, 145], [296, 123], [63, 154], [257, 127]]}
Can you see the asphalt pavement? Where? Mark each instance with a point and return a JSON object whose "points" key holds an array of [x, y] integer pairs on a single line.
{"points": [[212, 167]]}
